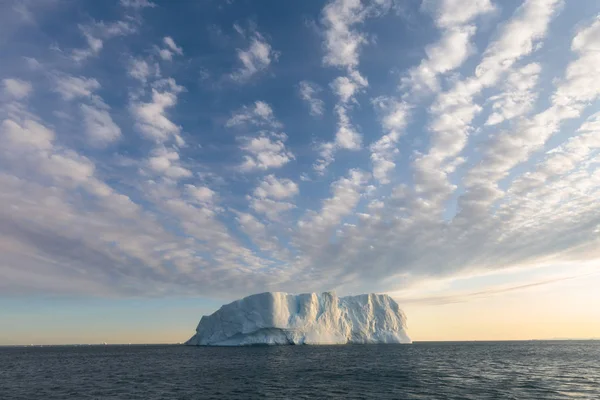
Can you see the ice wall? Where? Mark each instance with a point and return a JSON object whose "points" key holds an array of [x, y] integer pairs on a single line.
{"points": [[310, 318]]}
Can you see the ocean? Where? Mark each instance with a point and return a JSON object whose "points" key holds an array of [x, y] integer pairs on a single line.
{"points": [[443, 370]]}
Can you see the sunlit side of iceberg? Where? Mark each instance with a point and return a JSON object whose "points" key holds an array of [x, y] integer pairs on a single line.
{"points": [[276, 318]]}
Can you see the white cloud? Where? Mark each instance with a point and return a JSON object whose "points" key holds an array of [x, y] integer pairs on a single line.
{"points": [[49, 227], [100, 128], [32, 63], [17, 88], [272, 209], [172, 48], [560, 161], [276, 188], [444, 56], [309, 92], [453, 17], [450, 13], [572, 95], [346, 136], [267, 149], [265, 152], [315, 227], [63, 228], [96, 33], [518, 96], [258, 114], [345, 87], [326, 153], [258, 232], [394, 118], [29, 134], [201, 194], [151, 118], [72, 87], [137, 3], [454, 110], [268, 195], [256, 58], [166, 162], [342, 40], [171, 44], [140, 69]]}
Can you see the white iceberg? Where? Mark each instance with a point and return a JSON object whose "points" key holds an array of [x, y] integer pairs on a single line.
{"points": [[277, 318]]}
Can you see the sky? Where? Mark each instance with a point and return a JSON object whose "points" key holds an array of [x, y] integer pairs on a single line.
{"points": [[161, 158]]}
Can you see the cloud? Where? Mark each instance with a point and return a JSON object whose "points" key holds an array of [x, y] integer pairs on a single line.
{"points": [[446, 55], [571, 96], [99, 126], [453, 17], [256, 58], [96, 33], [267, 149], [141, 70], [265, 152], [454, 110], [346, 136], [258, 114], [72, 87], [563, 165], [276, 188], [492, 291], [518, 97], [138, 4], [451, 13], [172, 48], [166, 163], [255, 230], [315, 228], [272, 209], [268, 195], [345, 87], [93, 243], [394, 118], [171, 44], [17, 88], [308, 92], [151, 118], [29, 134], [484, 158], [201, 194], [342, 41]]}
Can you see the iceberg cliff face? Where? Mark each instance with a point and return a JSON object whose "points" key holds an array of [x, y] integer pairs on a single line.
{"points": [[282, 318]]}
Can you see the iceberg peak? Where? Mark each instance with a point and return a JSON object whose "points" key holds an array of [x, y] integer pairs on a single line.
{"points": [[308, 318]]}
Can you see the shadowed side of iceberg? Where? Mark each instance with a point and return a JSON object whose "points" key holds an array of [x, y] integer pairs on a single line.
{"points": [[276, 318]]}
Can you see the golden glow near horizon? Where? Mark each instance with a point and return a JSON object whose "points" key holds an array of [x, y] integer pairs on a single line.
{"points": [[555, 308], [543, 303]]}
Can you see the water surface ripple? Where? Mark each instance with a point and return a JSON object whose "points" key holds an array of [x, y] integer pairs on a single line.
{"points": [[480, 370]]}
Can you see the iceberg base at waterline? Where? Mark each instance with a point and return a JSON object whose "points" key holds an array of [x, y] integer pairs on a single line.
{"points": [[276, 318]]}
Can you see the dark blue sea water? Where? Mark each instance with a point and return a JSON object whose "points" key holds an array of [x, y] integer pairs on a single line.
{"points": [[480, 370]]}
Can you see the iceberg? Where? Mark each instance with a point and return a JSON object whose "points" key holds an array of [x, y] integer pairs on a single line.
{"points": [[277, 318]]}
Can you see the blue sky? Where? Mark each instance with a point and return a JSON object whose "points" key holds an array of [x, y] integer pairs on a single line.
{"points": [[209, 150]]}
